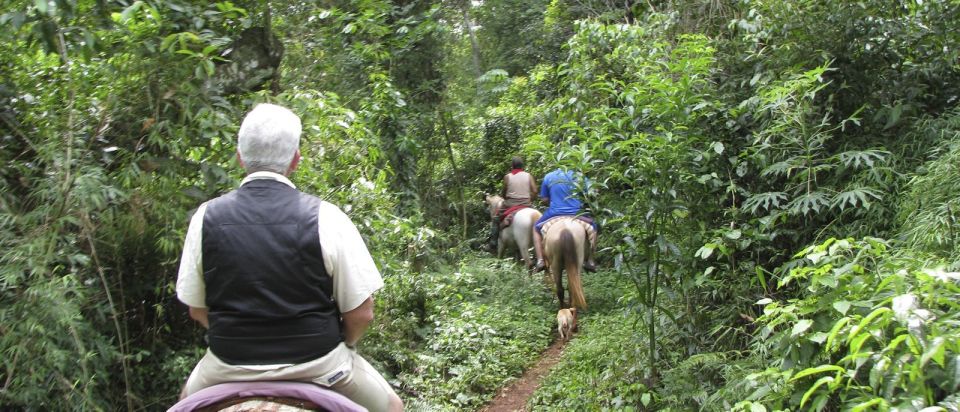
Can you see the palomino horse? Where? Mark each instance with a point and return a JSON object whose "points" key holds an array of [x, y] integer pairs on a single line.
{"points": [[565, 244], [520, 232]]}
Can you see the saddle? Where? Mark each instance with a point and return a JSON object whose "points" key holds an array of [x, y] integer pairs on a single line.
{"points": [[585, 221], [506, 218], [247, 396]]}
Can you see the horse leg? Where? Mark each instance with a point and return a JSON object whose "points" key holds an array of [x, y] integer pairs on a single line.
{"points": [[501, 244], [558, 281], [523, 245]]}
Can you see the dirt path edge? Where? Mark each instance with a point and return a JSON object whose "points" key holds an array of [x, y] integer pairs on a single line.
{"points": [[514, 396]]}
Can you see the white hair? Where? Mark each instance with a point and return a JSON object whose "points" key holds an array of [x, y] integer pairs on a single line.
{"points": [[268, 139]]}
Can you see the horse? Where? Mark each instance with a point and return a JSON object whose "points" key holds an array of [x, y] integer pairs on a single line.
{"points": [[520, 232], [565, 243]]}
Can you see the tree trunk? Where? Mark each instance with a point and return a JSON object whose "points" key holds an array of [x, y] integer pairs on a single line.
{"points": [[457, 176], [474, 45]]}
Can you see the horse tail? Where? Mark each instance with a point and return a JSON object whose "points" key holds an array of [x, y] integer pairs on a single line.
{"points": [[572, 264]]}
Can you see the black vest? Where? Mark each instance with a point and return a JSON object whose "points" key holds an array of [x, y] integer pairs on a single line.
{"points": [[268, 293]]}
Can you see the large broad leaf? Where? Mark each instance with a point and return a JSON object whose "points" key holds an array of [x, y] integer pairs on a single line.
{"points": [[780, 168], [810, 202], [766, 201], [860, 158], [801, 327], [855, 197]]}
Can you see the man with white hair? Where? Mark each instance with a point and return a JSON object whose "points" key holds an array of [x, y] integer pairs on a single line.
{"points": [[282, 280]]}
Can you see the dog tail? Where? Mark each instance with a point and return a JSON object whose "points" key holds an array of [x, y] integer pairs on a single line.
{"points": [[572, 263]]}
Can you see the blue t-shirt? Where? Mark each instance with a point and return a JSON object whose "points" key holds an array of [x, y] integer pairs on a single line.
{"points": [[560, 186]]}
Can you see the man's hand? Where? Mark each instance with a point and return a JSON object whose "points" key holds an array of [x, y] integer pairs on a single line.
{"points": [[200, 315], [356, 321]]}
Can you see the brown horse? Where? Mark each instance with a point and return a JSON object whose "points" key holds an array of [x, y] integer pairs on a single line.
{"points": [[565, 242]]}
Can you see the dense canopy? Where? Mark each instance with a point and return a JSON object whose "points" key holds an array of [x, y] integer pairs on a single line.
{"points": [[777, 184]]}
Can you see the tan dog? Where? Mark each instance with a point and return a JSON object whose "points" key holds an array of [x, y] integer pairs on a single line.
{"points": [[566, 322]]}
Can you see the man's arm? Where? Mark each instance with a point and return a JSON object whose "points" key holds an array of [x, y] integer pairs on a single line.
{"points": [[356, 321], [191, 289], [503, 192], [533, 189], [200, 315]]}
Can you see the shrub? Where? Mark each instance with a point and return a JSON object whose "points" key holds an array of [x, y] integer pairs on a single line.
{"points": [[872, 329]]}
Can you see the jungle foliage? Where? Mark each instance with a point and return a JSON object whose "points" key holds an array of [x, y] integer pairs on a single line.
{"points": [[776, 183]]}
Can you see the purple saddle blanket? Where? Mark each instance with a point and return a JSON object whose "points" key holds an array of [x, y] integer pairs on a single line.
{"points": [[325, 398]]}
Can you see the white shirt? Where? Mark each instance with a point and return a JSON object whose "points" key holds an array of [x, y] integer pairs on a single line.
{"points": [[345, 256]]}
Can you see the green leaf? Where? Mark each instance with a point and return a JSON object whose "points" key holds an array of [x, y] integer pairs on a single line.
{"points": [[841, 306], [645, 399], [877, 372], [705, 251], [761, 277], [894, 116], [128, 12], [882, 311], [855, 197], [809, 202], [935, 351], [818, 337], [819, 369], [869, 404], [765, 201], [208, 67], [801, 327], [835, 331], [168, 41], [813, 389], [896, 342], [862, 158]]}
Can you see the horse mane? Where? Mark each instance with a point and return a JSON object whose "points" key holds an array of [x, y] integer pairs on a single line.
{"points": [[494, 202]]}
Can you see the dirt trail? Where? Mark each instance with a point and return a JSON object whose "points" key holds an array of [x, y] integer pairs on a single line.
{"points": [[514, 397]]}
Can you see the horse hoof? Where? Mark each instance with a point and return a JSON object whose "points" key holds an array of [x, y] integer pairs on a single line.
{"points": [[539, 267]]}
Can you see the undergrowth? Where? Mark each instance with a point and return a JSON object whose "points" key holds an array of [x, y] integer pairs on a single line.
{"points": [[451, 337]]}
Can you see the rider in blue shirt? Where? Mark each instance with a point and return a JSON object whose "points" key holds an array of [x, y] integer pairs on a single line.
{"points": [[559, 192]]}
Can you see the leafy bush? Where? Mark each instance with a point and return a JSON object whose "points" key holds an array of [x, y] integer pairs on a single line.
{"points": [[601, 369], [452, 337], [930, 211], [872, 329]]}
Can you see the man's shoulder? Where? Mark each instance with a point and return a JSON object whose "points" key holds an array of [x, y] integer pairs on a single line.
{"points": [[553, 175], [218, 199]]}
